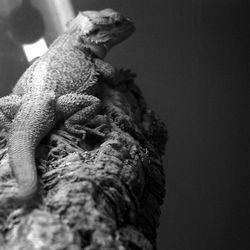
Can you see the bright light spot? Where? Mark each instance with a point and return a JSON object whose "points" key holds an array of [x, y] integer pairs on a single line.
{"points": [[35, 49]]}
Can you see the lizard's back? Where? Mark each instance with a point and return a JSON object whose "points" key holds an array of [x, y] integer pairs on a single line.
{"points": [[62, 70]]}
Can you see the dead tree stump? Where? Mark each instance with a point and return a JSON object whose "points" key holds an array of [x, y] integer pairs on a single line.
{"points": [[97, 193]]}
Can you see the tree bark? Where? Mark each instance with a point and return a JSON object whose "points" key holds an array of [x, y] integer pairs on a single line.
{"points": [[97, 193]]}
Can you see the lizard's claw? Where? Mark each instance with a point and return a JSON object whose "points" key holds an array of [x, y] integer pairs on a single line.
{"points": [[97, 127], [78, 130], [83, 130]]}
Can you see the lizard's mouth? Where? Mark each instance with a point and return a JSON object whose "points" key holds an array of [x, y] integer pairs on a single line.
{"points": [[102, 37], [99, 49]]}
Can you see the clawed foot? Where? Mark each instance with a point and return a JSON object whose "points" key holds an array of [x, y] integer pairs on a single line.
{"points": [[83, 130], [97, 127]]}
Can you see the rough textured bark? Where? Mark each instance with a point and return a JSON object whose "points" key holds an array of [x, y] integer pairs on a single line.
{"points": [[96, 193]]}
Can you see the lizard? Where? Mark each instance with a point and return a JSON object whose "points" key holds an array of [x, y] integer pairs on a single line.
{"points": [[60, 86]]}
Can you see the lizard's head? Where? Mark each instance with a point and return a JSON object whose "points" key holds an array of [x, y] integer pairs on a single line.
{"points": [[101, 30]]}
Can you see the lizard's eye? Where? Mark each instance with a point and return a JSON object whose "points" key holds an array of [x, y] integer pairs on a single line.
{"points": [[95, 31], [118, 23]]}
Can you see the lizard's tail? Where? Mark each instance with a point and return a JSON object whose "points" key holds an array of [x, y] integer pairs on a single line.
{"points": [[34, 120]]}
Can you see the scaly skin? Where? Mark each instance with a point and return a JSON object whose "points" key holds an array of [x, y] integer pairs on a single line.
{"points": [[60, 86]]}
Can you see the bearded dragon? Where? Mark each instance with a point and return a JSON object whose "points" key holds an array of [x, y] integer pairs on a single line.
{"points": [[60, 86]]}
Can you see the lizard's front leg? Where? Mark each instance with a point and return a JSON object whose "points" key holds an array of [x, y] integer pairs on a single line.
{"points": [[78, 109], [112, 74]]}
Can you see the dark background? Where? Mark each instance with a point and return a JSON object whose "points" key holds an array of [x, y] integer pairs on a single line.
{"points": [[191, 60]]}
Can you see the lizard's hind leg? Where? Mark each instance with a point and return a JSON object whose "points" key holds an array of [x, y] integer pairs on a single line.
{"points": [[79, 110], [9, 106]]}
